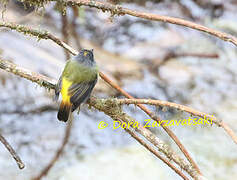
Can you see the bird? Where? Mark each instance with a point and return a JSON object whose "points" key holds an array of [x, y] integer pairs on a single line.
{"points": [[76, 83]]}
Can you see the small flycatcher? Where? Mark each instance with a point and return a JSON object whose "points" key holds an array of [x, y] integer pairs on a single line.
{"points": [[76, 83]]}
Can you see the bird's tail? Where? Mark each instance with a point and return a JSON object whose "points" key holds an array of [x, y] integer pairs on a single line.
{"points": [[64, 111]]}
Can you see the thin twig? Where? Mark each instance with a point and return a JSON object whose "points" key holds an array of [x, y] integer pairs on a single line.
{"points": [[12, 152], [119, 10], [40, 34], [198, 55], [189, 110], [172, 54], [156, 63]]}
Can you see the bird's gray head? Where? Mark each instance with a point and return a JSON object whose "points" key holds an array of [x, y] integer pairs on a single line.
{"points": [[86, 57]]}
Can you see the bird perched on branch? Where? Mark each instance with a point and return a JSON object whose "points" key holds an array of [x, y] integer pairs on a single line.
{"points": [[76, 83]]}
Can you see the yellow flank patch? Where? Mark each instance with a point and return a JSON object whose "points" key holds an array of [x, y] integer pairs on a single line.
{"points": [[64, 91], [85, 53]]}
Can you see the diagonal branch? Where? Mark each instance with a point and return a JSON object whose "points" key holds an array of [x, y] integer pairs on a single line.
{"points": [[154, 151], [156, 118], [119, 10], [189, 110], [40, 34], [46, 35], [12, 152], [27, 74], [109, 106], [113, 111]]}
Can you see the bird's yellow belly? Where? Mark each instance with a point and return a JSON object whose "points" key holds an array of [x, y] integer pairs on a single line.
{"points": [[64, 91]]}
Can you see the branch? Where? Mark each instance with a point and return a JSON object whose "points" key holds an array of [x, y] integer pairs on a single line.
{"points": [[113, 113], [12, 152], [40, 34], [25, 73], [189, 110], [47, 35], [199, 55], [155, 152], [119, 10], [156, 118], [112, 108]]}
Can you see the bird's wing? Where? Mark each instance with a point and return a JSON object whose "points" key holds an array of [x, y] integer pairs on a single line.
{"points": [[80, 92], [58, 88]]}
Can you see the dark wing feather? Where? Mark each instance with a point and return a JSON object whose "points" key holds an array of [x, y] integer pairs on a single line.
{"points": [[58, 88], [80, 93]]}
